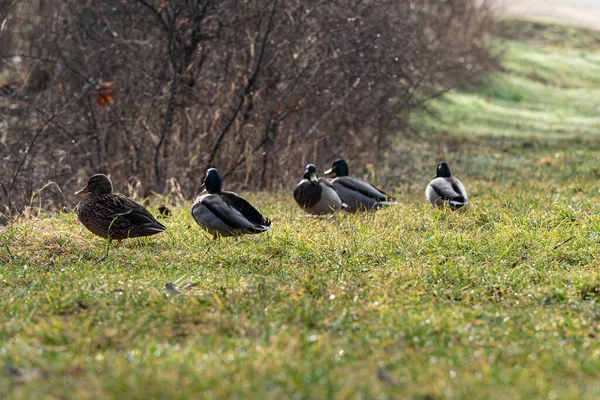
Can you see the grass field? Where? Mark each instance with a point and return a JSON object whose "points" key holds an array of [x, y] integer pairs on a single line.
{"points": [[498, 301]]}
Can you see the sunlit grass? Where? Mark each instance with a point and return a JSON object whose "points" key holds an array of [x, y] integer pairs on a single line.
{"points": [[438, 303], [541, 92]]}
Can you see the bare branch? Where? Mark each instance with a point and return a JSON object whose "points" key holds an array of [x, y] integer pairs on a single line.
{"points": [[168, 123], [247, 89], [157, 14]]}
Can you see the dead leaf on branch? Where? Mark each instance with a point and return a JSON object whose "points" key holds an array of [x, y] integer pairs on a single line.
{"points": [[105, 95]]}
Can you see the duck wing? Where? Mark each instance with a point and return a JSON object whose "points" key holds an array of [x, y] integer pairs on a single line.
{"points": [[449, 189], [245, 208], [328, 185], [132, 212], [307, 194], [327, 182], [363, 188], [228, 214]]}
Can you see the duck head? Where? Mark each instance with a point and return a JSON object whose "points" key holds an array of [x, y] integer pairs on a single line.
{"points": [[311, 173], [212, 181], [443, 170], [97, 184], [339, 168]]}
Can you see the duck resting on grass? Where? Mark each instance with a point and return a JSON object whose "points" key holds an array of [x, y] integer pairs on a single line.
{"points": [[316, 195], [357, 194], [113, 215], [224, 213], [446, 191]]}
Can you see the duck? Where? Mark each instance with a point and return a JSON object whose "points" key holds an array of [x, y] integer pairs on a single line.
{"points": [[111, 215], [357, 194], [316, 195], [446, 191], [223, 213]]}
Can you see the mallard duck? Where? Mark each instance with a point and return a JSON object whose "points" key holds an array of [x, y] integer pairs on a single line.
{"points": [[357, 194], [224, 213], [317, 195], [444, 190], [113, 215]]}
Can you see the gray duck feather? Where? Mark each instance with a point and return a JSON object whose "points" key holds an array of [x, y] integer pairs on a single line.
{"points": [[223, 213], [357, 194], [446, 191], [317, 196]]}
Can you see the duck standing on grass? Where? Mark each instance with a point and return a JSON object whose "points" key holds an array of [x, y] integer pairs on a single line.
{"points": [[445, 191], [317, 195], [357, 194], [113, 215], [224, 213]]}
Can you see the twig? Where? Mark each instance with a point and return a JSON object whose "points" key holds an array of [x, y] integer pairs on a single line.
{"points": [[29, 148], [42, 189], [166, 129], [156, 13], [564, 242], [247, 89], [258, 146], [6, 245]]}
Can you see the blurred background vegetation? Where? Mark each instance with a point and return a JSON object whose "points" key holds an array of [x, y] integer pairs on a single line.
{"points": [[153, 92]]}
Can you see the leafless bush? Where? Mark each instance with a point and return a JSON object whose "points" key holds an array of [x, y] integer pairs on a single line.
{"points": [[256, 88]]}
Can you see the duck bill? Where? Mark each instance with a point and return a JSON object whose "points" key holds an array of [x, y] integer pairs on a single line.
{"points": [[313, 178], [82, 191], [328, 172]]}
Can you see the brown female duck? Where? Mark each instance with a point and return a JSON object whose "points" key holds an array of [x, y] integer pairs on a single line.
{"points": [[113, 215]]}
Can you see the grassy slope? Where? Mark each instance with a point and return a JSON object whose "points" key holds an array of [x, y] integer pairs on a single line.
{"points": [[496, 302]]}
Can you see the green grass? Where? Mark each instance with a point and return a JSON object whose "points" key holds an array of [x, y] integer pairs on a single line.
{"points": [[548, 34], [542, 92], [498, 301], [538, 117]]}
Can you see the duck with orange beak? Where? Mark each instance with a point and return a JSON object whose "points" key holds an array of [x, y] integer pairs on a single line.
{"points": [[113, 215]]}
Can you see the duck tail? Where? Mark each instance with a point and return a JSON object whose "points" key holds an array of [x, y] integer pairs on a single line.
{"points": [[257, 228], [458, 202], [344, 206], [387, 203], [155, 227]]}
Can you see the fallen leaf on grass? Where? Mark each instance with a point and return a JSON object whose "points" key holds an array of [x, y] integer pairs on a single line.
{"points": [[387, 377], [25, 375], [172, 288]]}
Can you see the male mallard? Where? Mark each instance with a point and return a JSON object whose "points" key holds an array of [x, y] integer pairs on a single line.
{"points": [[317, 195], [444, 190], [113, 215], [225, 213], [357, 194]]}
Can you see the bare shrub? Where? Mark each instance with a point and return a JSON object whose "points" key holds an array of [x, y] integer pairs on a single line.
{"points": [[256, 88]]}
